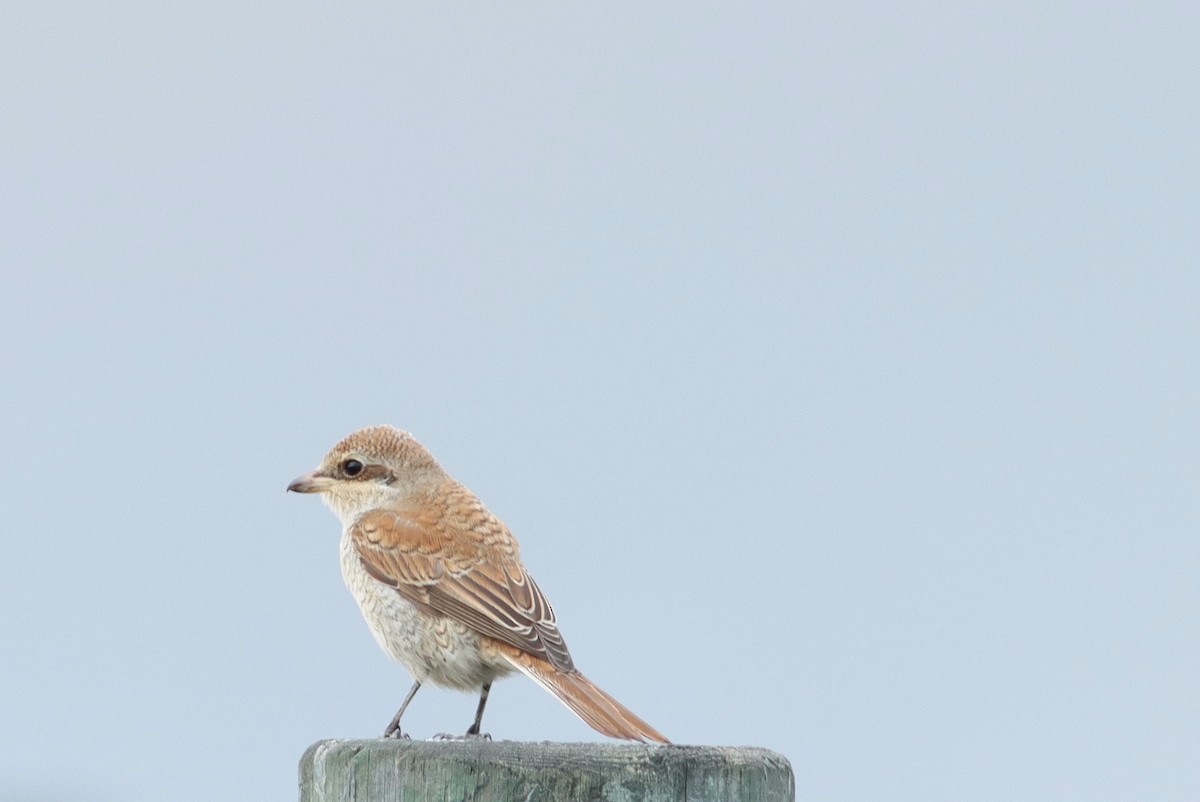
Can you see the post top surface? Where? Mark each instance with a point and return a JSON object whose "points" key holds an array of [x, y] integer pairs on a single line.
{"points": [[492, 771], [556, 751]]}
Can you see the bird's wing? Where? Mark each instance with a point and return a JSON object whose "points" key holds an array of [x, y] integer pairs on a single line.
{"points": [[458, 560]]}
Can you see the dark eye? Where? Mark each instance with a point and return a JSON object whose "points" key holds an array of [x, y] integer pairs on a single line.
{"points": [[352, 467]]}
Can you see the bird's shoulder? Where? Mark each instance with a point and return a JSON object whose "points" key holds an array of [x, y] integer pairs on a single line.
{"points": [[448, 521]]}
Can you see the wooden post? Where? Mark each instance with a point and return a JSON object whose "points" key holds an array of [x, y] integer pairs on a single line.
{"points": [[515, 771]]}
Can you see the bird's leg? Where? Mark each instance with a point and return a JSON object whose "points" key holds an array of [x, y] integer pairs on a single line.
{"points": [[393, 729], [473, 731], [473, 734]]}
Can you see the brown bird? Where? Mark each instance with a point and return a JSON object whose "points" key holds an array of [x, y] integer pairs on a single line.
{"points": [[440, 581]]}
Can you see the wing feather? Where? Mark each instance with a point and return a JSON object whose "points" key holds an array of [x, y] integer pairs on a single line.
{"points": [[469, 573]]}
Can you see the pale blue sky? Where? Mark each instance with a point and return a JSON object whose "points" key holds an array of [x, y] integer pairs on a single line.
{"points": [[836, 365]]}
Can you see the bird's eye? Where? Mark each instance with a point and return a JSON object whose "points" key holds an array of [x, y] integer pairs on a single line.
{"points": [[352, 467]]}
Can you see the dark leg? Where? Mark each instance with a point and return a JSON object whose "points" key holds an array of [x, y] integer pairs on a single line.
{"points": [[483, 695], [393, 729]]}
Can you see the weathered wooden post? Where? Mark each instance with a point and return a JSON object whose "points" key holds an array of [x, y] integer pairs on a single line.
{"points": [[504, 771]]}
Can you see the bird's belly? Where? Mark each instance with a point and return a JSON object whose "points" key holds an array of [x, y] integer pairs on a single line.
{"points": [[433, 648]]}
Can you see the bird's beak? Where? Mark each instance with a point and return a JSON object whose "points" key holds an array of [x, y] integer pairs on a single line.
{"points": [[314, 482]]}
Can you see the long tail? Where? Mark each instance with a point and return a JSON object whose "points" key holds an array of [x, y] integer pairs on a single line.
{"points": [[587, 700]]}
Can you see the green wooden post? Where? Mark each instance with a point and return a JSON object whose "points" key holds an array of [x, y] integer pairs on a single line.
{"points": [[514, 771]]}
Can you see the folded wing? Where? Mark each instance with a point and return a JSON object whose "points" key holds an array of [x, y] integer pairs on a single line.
{"points": [[464, 567]]}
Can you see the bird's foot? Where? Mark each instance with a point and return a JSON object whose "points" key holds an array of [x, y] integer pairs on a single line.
{"points": [[393, 733], [469, 737]]}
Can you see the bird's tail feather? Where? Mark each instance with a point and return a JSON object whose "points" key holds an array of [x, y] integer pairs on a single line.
{"points": [[585, 699]]}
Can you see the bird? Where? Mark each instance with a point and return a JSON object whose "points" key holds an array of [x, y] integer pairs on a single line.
{"points": [[440, 582]]}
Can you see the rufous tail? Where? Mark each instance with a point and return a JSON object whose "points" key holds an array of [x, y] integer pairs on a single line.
{"points": [[585, 699]]}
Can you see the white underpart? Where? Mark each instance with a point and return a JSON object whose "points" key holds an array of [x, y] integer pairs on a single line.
{"points": [[433, 648]]}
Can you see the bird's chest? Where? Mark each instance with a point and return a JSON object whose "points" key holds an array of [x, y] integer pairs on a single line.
{"points": [[432, 648]]}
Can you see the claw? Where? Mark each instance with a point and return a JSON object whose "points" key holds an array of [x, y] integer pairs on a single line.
{"points": [[470, 736]]}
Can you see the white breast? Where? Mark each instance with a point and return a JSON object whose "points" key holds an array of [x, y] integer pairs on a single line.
{"points": [[432, 648]]}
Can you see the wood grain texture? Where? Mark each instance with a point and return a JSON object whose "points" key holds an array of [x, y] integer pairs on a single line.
{"points": [[507, 771]]}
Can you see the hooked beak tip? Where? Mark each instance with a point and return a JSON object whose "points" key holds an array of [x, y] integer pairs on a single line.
{"points": [[314, 482]]}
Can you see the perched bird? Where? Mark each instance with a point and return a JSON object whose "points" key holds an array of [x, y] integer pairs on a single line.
{"points": [[440, 581]]}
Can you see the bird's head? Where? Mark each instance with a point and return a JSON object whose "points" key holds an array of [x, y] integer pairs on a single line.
{"points": [[375, 467]]}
